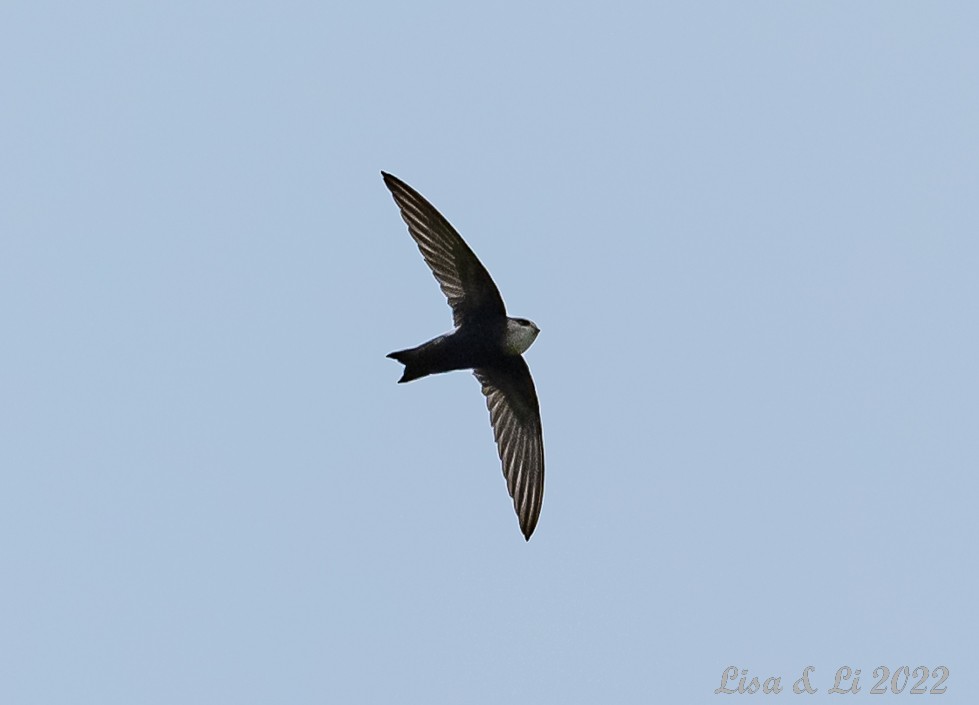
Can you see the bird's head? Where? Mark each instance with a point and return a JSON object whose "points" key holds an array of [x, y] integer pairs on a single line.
{"points": [[520, 335]]}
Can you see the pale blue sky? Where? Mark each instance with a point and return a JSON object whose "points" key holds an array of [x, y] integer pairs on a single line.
{"points": [[749, 233]]}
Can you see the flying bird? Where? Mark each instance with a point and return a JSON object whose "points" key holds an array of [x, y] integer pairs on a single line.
{"points": [[485, 340]]}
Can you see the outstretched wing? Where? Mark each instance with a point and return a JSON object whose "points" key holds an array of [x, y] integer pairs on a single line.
{"points": [[515, 415], [463, 279]]}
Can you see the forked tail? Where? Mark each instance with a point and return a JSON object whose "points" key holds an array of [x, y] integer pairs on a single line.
{"points": [[409, 358]]}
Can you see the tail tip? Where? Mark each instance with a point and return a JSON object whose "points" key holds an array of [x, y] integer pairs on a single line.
{"points": [[409, 373]]}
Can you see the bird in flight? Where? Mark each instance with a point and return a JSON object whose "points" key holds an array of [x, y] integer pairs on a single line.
{"points": [[485, 340]]}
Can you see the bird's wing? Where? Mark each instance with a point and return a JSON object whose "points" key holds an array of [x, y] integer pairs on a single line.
{"points": [[463, 279], [515, 415]]}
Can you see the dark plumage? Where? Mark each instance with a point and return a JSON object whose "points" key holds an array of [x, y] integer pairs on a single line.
{"points": [[485, 340]]}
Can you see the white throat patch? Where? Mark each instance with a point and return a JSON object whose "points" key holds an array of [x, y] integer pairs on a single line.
{"points": [[519, 335]]}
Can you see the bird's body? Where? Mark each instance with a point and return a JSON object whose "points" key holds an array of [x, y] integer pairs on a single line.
{"points": [[485, 340], [473, 345]]}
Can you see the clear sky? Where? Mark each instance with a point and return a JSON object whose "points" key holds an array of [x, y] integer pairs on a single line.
{"points": [[748, 231]]}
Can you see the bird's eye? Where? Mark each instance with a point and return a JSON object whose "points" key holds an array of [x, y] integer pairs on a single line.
{"points": [[523, 321]]}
